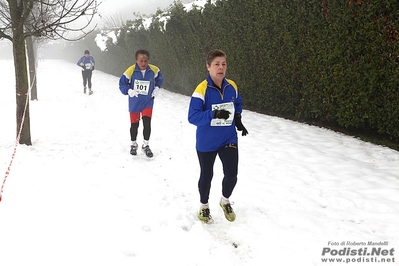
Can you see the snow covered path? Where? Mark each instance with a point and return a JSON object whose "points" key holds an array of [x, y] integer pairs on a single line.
{"points": [[77, 197]]}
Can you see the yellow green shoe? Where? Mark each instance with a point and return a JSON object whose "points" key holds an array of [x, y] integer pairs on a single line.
{"points": [[228, 211], [204, 215]]}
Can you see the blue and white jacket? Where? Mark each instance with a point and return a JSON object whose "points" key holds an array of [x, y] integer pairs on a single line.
{"points": [[87, 63], [132, 78], [209, 136]]}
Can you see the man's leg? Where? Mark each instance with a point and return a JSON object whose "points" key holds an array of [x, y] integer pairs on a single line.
{"points": [[146, 116], [134, 125]]}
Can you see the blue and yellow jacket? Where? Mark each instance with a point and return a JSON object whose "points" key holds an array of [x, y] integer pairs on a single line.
{"points": [[200, 113], [133, 76]]}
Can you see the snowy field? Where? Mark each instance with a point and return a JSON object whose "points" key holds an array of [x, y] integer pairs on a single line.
{"points": [[76, 197]]}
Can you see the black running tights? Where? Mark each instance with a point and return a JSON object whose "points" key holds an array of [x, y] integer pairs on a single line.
{"points": [[229, 157], [86, 75], [146, 130]]}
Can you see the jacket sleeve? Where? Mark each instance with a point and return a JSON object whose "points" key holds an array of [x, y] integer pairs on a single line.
{"points": [[196, 115], [125, 80], [124, 84], [79, 61], [238, 104], [238, 99], [159, 80]]}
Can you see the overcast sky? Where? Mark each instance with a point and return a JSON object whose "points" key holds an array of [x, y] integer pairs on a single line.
{"points": [[122, 8], [142, 6], [126, 8]]}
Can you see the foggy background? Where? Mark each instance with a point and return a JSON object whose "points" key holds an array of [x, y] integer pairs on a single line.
{"points": [[120, 9], [141, 6], [125, 9]]}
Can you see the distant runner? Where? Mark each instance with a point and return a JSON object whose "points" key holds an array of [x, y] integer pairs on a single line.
{"points": [[87, 63]]}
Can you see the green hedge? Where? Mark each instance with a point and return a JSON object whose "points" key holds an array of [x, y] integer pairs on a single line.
{"points": [[319, 61]]}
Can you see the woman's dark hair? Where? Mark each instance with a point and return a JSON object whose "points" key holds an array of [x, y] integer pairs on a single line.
{"points": [[213, 54]]}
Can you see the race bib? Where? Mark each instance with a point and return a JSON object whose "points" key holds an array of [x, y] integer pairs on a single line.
{"points": [[141, 86], [216, 122], [88, 66]]}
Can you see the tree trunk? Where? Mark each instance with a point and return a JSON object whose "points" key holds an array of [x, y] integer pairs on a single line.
{"points": [[32, 60], [21, 73], [22, 87]]}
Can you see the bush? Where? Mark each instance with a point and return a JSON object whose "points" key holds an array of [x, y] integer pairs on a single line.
{"points": [[325, 62]]}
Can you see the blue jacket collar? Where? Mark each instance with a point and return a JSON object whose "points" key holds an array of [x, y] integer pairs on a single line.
{"points": [[212, 84]]}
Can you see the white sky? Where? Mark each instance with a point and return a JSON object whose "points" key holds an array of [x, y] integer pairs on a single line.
{"points": [[121, 10], [144, 7]]}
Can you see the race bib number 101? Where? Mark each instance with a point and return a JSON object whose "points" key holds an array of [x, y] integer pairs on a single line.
{"points": [[141, 86]]}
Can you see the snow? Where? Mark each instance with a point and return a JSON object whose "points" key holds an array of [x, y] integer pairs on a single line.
{"points": [[77, 197], [200, 4], [102, 38]]}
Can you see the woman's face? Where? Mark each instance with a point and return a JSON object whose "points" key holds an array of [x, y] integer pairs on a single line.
{"points": [[217, 69], [142, 61]]}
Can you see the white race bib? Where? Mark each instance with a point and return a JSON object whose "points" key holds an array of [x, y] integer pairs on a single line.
{"points": [[141, 86], [88, 66], [221, 122]]}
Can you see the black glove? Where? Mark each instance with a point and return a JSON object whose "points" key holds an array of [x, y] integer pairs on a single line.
{"points": [[223, 114], [239, 125], [92, 68]]}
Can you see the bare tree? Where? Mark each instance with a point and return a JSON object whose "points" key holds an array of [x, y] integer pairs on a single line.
{"points": [[51, 19], [114, 20], [31, 49]]}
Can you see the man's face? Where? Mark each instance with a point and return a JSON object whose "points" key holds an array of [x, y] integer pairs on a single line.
{"points": [[142, 61]]}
